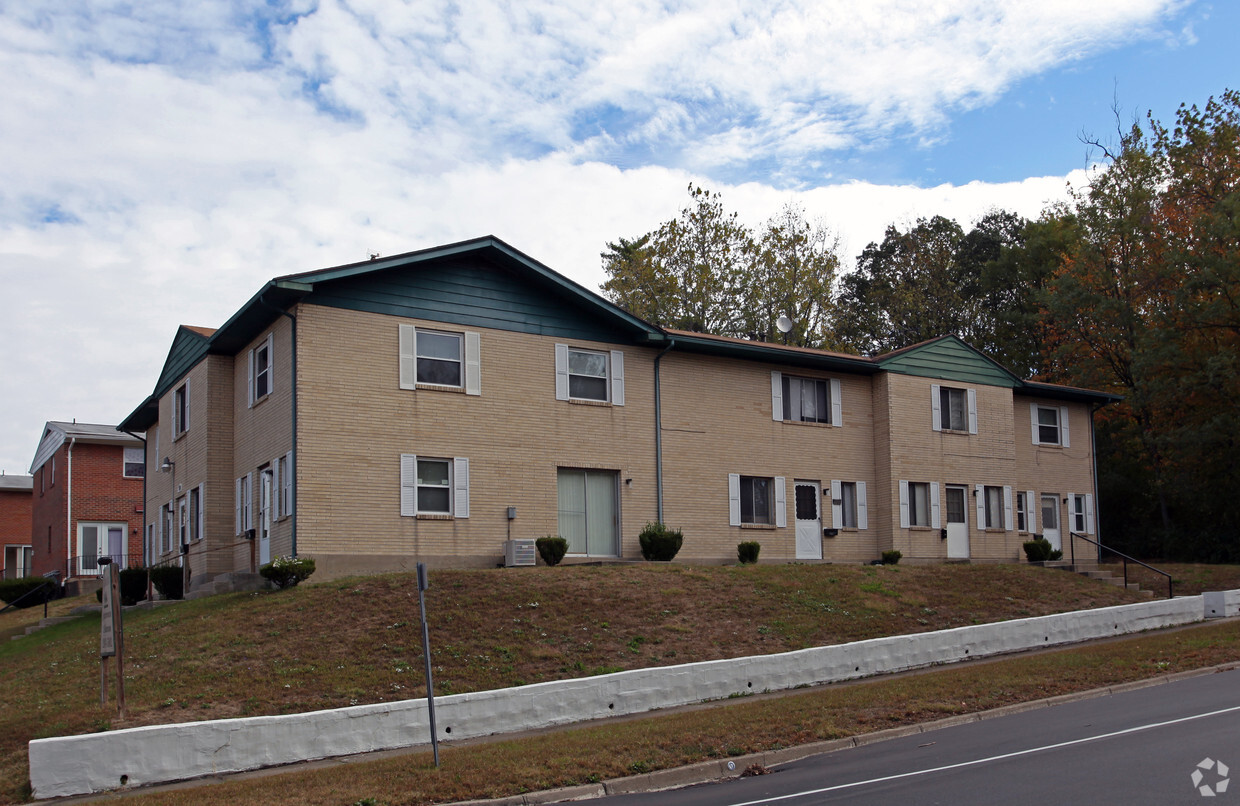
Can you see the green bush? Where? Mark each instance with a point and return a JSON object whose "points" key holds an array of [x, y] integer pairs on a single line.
{"points": [[891, 557], [660, 543], [133, 587], [1040, 550], [286, 572], [13, 589], [552, 549], [169, 580], [747, 551]]}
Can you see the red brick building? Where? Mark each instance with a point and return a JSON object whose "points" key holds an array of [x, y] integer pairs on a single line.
{"points": [[15, 526], [86, 499]]}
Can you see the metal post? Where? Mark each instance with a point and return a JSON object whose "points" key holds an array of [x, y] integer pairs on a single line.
{"points": [[423, 584]]}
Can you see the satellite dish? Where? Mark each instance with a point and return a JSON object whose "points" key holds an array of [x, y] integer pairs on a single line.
{"points": [[784, 324]]}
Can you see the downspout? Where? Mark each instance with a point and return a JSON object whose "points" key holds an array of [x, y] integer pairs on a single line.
{"points": [[658, 428], [292, 468], [146, 550], [68, 507], [1093, 469]]}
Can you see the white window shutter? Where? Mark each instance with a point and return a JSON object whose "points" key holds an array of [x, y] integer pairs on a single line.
{"points": [[202, 508], [972, 411], [1063, 427], [185, 425], [407, 354], [1007, 508], [979, 500], [863, 516], [904, 519], [1033, 422], [473, 363], [1089, 514], [460, 487], [936, 411], [936, 520], [837, 504], [777, 396], [249, 382], [1031, 512], [271, 364], [408, 485], [781, 503], [1071, 512], [288, 483], [237, 512], [617, 378], [249, 500], [734, 499], [275, 489], [837, 403], [561, 372]]}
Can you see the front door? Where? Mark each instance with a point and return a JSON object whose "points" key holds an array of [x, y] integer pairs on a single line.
{"points": [[264, 518], [809, 521], [1050, 520], [957, 523], [589, 512]]}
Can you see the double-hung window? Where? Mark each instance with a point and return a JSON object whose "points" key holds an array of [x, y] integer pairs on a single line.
{"points": [[180, 410], [260, 375], [431, 486], [953, 409], [805, 400], [848, 505], [1022, 520], [589, 375], [756, 500], [134, 464], [919, 504], [1049, 425], [994, 506], [1081, 513], [440, 358]]}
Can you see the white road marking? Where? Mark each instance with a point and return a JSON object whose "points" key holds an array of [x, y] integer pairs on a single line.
{"points": [[978, 761]]}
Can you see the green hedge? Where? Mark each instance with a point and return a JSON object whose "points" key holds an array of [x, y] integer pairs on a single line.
{"points": [[747, 551], [660, 543], [551, 549], [286, 572], [13, 589], [169, 580]]}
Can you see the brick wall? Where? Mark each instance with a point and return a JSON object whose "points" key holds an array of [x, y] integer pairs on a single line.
{"points": [[15, 522]]}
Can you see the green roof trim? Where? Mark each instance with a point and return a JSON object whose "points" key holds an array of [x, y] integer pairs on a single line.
{"points": [[947, 358]]}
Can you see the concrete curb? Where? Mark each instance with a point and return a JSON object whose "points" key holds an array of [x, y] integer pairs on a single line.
{"points": [[155, 754]]}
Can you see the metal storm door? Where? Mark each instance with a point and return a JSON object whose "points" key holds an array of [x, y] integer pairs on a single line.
{"points": [[957, 523], [809, 521], [1050, 520]]}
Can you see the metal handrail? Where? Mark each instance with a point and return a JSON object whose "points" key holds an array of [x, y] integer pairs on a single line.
{"points": [[28, 593], [1125, 557]]}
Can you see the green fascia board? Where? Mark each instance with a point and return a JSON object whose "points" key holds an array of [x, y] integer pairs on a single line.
{"points": [[947, 358], [1072, 393], [256, 315], [766, 353], [142, 418]]}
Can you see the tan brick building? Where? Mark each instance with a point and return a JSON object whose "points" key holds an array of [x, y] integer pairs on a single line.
{"points": [[431, 406]]}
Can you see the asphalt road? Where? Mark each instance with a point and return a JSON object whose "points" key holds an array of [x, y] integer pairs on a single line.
{"points": [[1136, 747]]}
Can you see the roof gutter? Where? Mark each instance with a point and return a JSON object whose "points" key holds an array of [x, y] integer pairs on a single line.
{"points": [[68, 507], [292, 468], [658, 429]]}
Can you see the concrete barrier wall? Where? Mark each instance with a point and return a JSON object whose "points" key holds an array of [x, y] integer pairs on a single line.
{"points": [[98, 762]]}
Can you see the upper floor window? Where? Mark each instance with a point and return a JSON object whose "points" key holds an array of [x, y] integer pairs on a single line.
{"points": [[592, 375], [1050, 425], [180, 410], [954, 409], [440, 358], [261, 370], [134, 463], [805, 400]]}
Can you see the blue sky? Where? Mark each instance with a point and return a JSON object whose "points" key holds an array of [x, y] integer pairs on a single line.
{"points": [[159, 161]]}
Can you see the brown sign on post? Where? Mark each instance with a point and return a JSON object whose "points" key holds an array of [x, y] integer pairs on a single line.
{"points": [[111, 635]]}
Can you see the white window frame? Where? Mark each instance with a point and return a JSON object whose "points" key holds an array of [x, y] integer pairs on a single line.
{"points": [[470, 359], [908, 494], [243, 503], [1062, 421], [167, 520], [198, 518], [781, 406], [994, 506], [458, 486], [777, 500], [1081, 512], [101, 536], [126, 462], [180, 410], [286, 485], [613, 380], [839, 510], [937, 411], [267, 374]]}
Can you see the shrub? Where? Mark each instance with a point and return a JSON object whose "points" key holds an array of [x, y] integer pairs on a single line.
{"points": [[891, 557], [133, 586], [13, 589], [286, 572], [169, 580], [747, 551], [1040, 550], [552, 549], [660, 543]]}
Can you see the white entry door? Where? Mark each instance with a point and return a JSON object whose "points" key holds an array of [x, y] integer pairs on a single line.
{"points": [[266, 490], [957, 523], [809, 521], [1050, 520]]}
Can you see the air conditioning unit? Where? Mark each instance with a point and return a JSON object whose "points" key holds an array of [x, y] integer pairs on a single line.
{"points": [[518, 552]]}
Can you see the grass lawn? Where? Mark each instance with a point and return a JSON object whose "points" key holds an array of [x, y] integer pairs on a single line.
{"points": [[358, 641]]}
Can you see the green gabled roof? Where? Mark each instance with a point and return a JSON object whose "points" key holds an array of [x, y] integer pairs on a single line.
{"points": [[949, 359], [189, 346]]}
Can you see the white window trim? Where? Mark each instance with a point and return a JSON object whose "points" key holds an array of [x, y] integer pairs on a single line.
{"points": [[779, 503], [471, 364], [458, 486], [1064, 441], [286, 503], [271, 372], [777, 399], [1073, 512], [936, 408], [615, 374], [125, 462], [837, 505], [181, 421], [935, 514]]}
